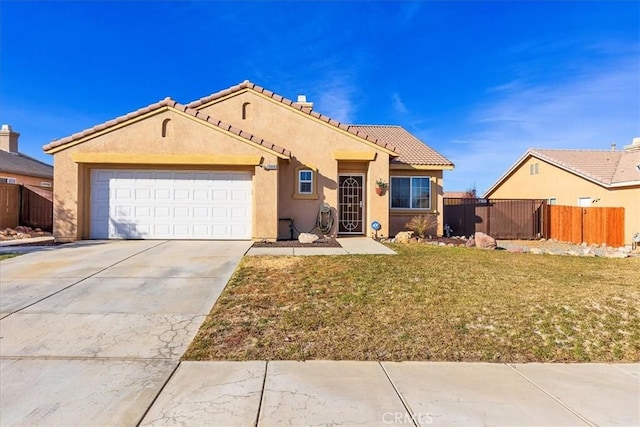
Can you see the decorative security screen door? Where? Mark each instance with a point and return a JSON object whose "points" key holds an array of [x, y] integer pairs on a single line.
{"points": [[351, 204]]}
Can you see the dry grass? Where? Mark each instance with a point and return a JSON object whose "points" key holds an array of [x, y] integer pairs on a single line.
{"points": [[427, 303], [7, 256]]}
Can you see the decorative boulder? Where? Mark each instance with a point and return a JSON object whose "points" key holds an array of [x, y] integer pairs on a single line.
{"points": [[484, 241], [404, 236], [470, 243], [307, 238]]}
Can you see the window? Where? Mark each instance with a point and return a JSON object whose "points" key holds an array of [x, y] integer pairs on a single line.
{"points": [[533, 169], [305, 185], [12, 181], [410, 192], [305, 181], [552, 201], [45, 184], [584, 202]]}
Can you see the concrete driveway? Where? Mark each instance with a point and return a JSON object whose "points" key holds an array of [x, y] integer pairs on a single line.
{"points": [[91, 331]]}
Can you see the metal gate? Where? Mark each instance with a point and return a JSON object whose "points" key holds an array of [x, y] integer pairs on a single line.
{"points": [[351, 204]]}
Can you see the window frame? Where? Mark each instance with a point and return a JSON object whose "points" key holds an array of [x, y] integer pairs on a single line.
{"points": [[313, 194], [411, 185], [305, 181], [589, 200]]}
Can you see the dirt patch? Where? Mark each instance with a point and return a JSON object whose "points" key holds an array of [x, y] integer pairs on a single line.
{"points": [[321, 243]]}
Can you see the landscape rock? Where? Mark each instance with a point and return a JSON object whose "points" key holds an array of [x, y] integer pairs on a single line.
{"points": [[536, 251], [404, 236], [484, 241], [515, 249], [307, 238], [470, 243]]}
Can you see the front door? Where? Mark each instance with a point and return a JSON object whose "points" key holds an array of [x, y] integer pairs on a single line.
{"points": [[351, 204]]}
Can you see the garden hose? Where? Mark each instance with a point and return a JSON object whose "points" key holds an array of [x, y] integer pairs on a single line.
{"points": [[325, 212]]}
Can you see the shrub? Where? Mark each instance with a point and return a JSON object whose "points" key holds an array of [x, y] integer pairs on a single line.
{"points": [[422, 225]]}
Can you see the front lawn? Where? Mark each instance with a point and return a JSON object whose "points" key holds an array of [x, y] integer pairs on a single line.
{"points": [[427, 303]]}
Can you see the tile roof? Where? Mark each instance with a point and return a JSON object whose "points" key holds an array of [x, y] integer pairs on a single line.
{"points": [[22, 164], [167, 102], [355, 130], [604, 166], [608, 168], [412, 151], [455, 194]]}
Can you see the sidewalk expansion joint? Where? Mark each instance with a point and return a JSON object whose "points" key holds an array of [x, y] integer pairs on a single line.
{"points": [[264, 383], [555, 399], [158, 394], [402, 399]]}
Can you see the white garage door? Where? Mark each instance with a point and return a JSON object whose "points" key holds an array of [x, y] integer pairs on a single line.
{"points": [[145, 204]]}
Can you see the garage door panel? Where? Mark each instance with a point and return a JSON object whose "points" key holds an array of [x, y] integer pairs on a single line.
{"points": [[166, 204]]}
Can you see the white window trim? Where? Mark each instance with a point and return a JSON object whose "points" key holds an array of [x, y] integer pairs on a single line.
{"points": [[410, 188], [305, 181], [12, 181], [46, 184]]}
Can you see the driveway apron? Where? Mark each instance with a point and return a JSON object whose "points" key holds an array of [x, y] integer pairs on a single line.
{"points": [[90, 332]]}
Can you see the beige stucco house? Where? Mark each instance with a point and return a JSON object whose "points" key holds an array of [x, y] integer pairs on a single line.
{"points": [[239, 164], [589, 178]]}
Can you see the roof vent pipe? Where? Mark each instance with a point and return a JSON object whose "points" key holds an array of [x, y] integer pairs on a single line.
{"points": [[302, 102]]}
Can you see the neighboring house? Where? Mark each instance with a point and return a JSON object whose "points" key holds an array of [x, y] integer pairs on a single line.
{"points": [[238, 164], [589, 178], [456, 194], [18, 168]]}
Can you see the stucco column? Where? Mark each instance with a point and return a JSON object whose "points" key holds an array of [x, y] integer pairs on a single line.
{"points": [[378, 205], [265, 199]]}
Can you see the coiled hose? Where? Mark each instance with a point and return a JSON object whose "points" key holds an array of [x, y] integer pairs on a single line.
{"points": [[324, 222], [325, 212]]}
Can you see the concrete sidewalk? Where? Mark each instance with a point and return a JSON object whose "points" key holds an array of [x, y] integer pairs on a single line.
{"points": [[389, 393], [350, 246]]}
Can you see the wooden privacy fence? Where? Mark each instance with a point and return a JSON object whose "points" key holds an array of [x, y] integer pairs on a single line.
{"points": [[9, 205], [500, 218], [26, 205], [590, 225]]}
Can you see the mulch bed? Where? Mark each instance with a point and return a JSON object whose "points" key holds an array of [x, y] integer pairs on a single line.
{"points": [[321, 243]]}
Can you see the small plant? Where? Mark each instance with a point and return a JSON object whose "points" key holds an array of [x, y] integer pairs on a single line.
{"points": [[381, 183], [422, 225], [381, 187]]}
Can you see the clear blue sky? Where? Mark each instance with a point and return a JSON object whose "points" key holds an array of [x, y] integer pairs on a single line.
{"points": [[479, 81]]}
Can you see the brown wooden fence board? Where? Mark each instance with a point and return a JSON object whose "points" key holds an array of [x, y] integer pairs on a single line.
{"points": [[37, 208], [9, 205], [589, 225], [500, 218], [22, 205]]}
